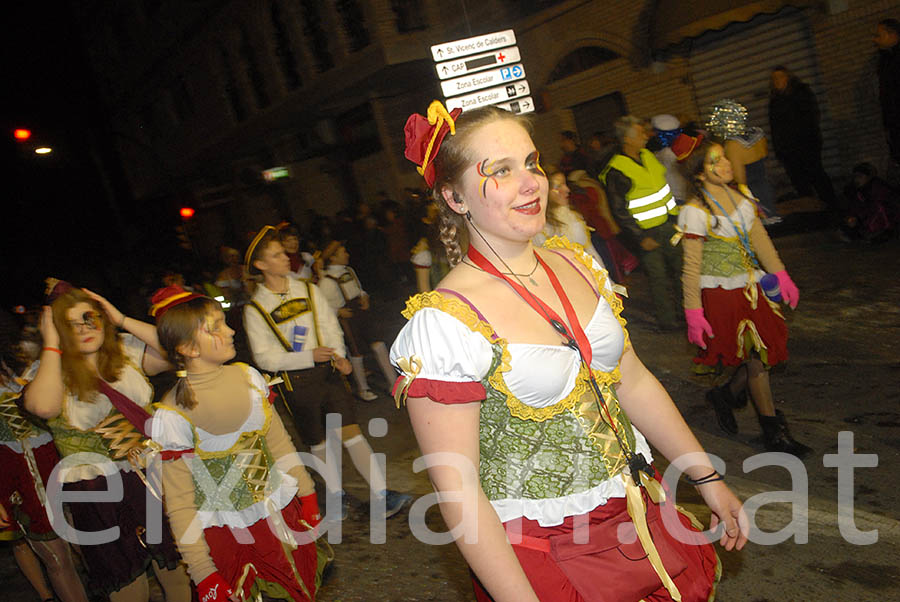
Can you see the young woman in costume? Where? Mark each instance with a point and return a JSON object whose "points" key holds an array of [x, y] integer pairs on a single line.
{"points": [[28, 456], [91, 386], [518, 366], [218, 419], [728, 315]]}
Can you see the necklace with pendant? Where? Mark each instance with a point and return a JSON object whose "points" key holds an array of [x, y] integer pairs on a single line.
{"points": [[529, 275]]}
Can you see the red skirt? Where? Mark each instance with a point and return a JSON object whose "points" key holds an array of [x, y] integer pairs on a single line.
{"points": [[604, 570], [739, 329], [266, 554], [17, 479]]}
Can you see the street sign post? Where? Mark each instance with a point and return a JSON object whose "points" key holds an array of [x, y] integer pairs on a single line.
{"points": [[483, 70], [480, 62]]}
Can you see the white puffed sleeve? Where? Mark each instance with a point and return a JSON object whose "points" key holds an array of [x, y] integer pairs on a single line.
{"points": [[693, 220], [448, 349], [171, 430]]}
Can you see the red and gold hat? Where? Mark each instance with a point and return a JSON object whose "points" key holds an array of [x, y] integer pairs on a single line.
{"points": [[424, 136], [259, 236], [683, 145], [55, 288], [166, 298]]}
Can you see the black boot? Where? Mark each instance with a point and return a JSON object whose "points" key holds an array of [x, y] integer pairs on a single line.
{"points": [[777, 437], [722, 402]]}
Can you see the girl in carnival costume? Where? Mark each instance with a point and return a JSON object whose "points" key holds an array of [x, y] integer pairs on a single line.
{"points": [[551, 414], [28, 456], [215, 421], [91, 386], [725, 247]]}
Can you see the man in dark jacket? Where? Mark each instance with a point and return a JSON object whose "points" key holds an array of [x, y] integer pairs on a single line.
{"points": [[794, 119], [887, 38]]}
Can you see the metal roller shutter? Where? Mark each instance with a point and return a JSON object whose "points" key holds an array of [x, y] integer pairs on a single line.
{"points": [[736, 63]]}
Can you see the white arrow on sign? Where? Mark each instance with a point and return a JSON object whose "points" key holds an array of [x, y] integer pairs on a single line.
{"points": [[489, 97], [484, 79], [459, 48], [506, 56], [521, 105]]}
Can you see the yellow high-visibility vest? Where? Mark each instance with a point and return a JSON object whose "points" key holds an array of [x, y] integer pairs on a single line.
{"points": [[649, 200]]}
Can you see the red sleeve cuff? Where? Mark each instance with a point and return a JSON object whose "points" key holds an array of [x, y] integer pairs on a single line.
{"points": [[445, 392], [694, 236], [170, 454]]}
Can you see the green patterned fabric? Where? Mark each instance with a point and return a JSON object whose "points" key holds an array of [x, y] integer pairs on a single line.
{"points": [[71, 440], [722, 258], [524, 459], [242, 495], [13, 426]]}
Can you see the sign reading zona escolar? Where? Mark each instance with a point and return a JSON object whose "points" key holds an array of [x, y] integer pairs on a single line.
{"points": [[490, 96], [483, 79]]}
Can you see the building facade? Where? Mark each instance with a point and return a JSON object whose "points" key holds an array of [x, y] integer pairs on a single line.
{"points": [[204, 96]]}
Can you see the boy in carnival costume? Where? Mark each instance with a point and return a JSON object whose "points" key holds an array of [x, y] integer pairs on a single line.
{"points": [[292, 329]]}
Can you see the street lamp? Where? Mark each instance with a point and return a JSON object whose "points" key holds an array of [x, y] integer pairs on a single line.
{"points": [[43, 150]]}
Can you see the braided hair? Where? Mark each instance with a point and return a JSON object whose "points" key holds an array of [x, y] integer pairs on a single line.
{"points": [[176, 328]]}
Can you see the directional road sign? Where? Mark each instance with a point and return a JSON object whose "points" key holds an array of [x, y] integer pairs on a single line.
{"points": [[479, 62], [522, 105], [459, 48], [483, 79], [488, 97]]}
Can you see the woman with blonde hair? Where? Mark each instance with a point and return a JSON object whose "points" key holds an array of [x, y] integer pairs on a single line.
{"points": [[91, 386], [518, 368]]}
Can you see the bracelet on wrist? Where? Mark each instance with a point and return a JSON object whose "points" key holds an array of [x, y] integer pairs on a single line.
{"points": [[710, 478], [54, 349], [122, 323]]}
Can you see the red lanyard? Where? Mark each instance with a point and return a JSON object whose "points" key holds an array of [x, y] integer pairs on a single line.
{"points": [[539, 306]]}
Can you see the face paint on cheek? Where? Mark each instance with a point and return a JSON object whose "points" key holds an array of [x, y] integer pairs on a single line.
{"points": [[485, 170], [217, 339]]}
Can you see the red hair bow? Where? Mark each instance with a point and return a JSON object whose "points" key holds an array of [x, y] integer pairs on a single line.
{"points": [[424, 136]]}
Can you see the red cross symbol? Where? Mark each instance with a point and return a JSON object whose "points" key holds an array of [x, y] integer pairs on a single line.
{"points": [[501, 57]]}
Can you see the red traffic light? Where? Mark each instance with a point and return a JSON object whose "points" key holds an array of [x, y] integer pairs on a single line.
{"points": [[187, 212], [21, 134]]}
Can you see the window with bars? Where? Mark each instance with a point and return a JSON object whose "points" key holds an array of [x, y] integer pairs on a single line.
{"points": [[354, 23], [409, 14], [315, 35], [284, 49]]}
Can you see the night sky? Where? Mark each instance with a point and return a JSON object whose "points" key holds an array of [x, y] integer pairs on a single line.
{"points": [[58, 219]]}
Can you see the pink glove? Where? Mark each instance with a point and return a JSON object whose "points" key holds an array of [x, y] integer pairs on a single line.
{"points": [[213, 589], [697, 327], [789, 291]]}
